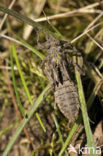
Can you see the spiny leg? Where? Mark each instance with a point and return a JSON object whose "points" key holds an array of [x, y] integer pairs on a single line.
{"points": [[45, 60], [52, 75], [75, 65], [73, 51], [68, 48]]}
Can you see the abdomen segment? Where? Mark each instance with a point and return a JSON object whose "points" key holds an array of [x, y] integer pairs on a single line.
{"points": [[66, 97]]}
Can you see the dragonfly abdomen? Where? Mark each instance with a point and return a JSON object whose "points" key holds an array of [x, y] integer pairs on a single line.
{"points": [[66, 97]]}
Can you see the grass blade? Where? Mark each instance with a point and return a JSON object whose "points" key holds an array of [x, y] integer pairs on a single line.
{"points": [[25, 44], [14, 83], [25, 121], [59, 132], [70, 135], [24, 83], [27, 20], [21, 75], [85, 116], [31, 48], [8, 128], [40, 122]]}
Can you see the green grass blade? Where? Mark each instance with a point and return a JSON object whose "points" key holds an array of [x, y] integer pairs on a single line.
{"points": [[59, 132], [25, 121], [23, 81], [27, 20], [40, 122], [25, 44], [70, 135], [14, 83], [21, 75], [8, 128], [85, 116], [31, 48]]}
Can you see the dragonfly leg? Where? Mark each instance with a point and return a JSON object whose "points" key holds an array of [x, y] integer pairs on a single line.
{"points": [[79, 68]]}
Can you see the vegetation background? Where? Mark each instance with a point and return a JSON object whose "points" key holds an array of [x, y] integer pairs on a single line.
{"points": [[72, 19]]}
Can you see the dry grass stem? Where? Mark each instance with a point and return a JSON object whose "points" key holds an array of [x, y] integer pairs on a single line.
{"points": [[5, 16]]}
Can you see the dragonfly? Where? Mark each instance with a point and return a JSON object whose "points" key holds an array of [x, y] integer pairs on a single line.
{"points": [[57, 67]]}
